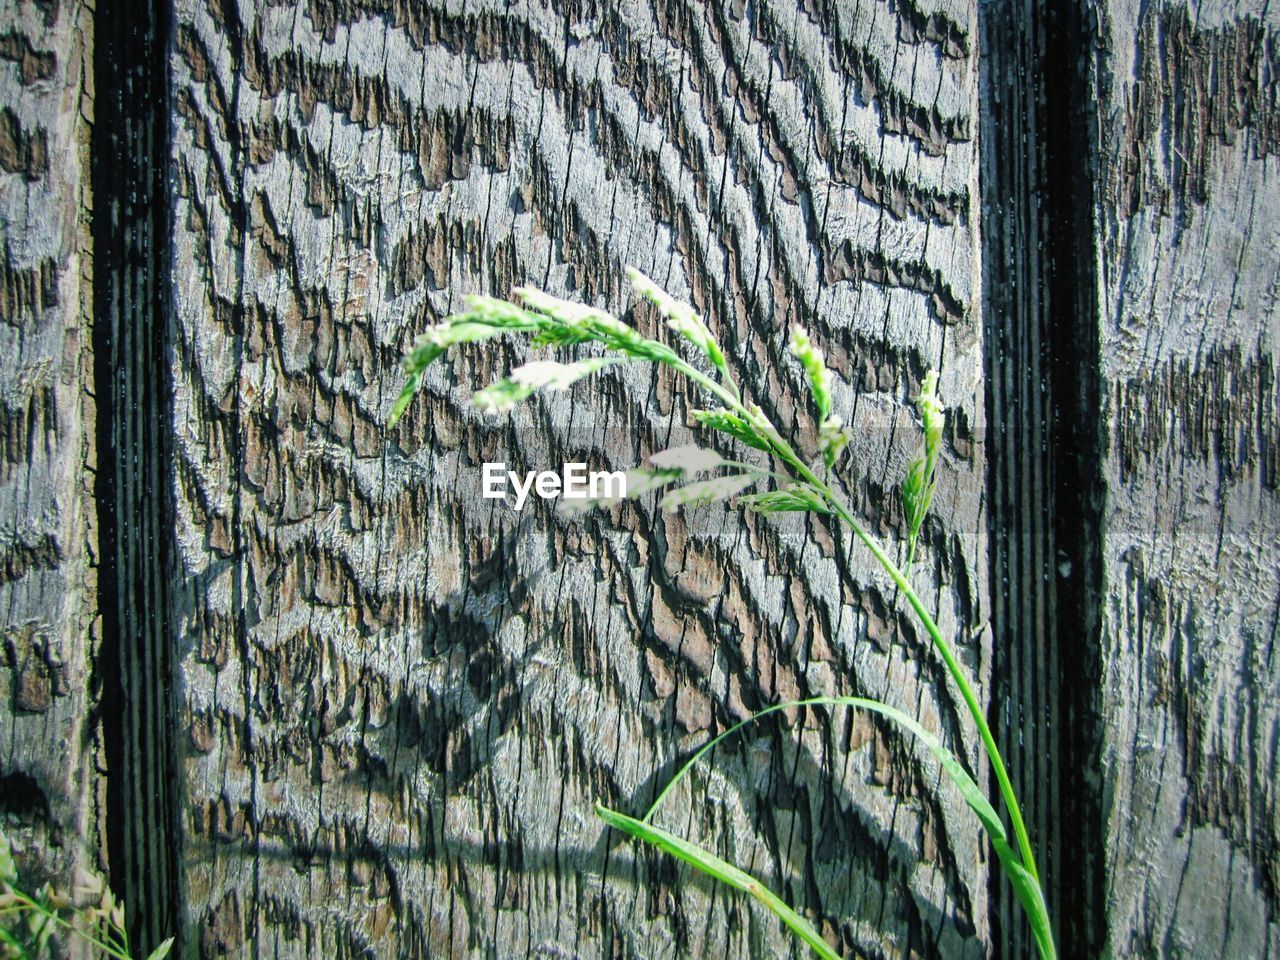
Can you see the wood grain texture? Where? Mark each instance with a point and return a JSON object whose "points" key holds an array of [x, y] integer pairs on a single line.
{"points": [[1188, 221], [399, 700], [49, 756]]}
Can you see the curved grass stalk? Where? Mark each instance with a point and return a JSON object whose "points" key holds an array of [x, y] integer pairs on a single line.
{"points": [[785, 452], [556, 322], [704, 860], [1025, 886]]}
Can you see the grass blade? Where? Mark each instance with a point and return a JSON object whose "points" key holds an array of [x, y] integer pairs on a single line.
{"points": [[815, 370], [1027, 889], [1024, 883], [735, 426], [720, 870], [791, 499]]}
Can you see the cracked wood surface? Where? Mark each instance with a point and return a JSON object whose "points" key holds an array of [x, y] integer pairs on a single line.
{"points": [[1188, 219], [48, 632], [400, 700]]}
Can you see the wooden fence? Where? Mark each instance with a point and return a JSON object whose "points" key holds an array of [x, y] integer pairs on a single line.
{"points": [[286, 677]]}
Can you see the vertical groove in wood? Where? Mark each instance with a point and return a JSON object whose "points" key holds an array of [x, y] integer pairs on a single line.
{"points": [[1042, 355], [1072, 408], [130, 230]]}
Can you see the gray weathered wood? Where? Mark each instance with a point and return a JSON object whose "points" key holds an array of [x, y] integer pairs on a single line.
{"points": [[401, 700], [398, 701], [49, 753], [1188, 254]]}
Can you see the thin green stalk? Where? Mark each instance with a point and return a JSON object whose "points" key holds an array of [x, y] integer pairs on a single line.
{"points": [[562, 323], [957, 674], [911, 556], [789, 456]]}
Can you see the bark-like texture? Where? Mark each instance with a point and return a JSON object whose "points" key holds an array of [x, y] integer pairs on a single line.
{"points": [[1188, 221], [48, 753], [399, 700]]}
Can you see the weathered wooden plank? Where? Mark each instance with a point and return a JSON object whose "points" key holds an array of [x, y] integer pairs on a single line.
{"points": [[49, 748], [1188, 246], [401, 700]]}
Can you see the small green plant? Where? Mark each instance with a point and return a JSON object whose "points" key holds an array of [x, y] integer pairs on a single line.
{"points": [[694, 477], [28, 922]]}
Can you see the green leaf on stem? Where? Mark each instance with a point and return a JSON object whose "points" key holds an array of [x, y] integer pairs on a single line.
{"points": [[497, 313], [485, 318], [680, 317], [725, 872], [568, 312], [535, 375], [933, 414], [794, 498], [920, 483], [833, 437], [560, 337], [1024, 884], [734, 425], [562, 322], [1029, 895]]}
